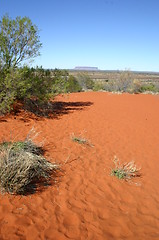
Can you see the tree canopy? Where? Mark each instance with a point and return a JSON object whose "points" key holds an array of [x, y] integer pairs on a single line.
{"points": [[19, 41]]}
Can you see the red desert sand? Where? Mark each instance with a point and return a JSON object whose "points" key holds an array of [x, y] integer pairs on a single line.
{"points": [[87, 202]]}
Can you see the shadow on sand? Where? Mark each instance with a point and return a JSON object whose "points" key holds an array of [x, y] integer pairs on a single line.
{"points": [[41, 185], [51, 109]]}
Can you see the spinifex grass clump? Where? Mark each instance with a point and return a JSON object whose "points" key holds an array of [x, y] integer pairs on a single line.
{"points": [[28, 146], [125, 171], [22, 167], [81, 140]]}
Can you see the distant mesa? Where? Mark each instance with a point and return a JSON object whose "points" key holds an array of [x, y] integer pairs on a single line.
{"points": [[86, 68]]}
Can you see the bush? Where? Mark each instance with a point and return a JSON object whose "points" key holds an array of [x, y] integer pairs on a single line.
{"points": [[59, 81], [89, 83], [63, 83], [123, 84], [136, 87], [23, 168], [148, 87], [125, 81], [98, 86], [7, 92], [22, 84], [85, 81], [72, 85]]}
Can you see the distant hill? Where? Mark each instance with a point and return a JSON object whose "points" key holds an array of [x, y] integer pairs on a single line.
{"points": [[86, 68]]}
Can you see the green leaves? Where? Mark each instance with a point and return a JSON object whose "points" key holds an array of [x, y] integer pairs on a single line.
{"points": [[22, 84], [19, 41]]}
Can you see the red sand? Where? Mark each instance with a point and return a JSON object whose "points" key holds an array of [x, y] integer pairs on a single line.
{"points": [[89, 203]]}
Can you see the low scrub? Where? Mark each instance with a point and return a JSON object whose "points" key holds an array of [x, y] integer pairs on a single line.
{"points": [[22, 167], [149, 87], [85, 81], [98, 86], [22, 84], [122, 84], [72, 85], [81, 140], [125, 171]]}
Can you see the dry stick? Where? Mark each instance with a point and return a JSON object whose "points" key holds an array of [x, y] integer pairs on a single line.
{"points": [[66, 161]]}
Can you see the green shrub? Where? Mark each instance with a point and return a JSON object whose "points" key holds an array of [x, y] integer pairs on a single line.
{"points": [[72, 85], [59, 81], [85, 81], [98, 86], [148, 87], [63, 83], [89, 83], [22, 84], [7, 92], [136, 87]]}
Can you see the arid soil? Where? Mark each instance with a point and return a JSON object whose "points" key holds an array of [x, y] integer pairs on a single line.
{"points": [[87, 202]]}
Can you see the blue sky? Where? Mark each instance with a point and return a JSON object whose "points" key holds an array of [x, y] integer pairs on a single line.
{"points": [[108, 34]]}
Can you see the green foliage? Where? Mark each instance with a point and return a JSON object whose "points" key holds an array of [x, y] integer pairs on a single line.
{"points": [[23, 84], [148, 87], [63, 83], [7, 92], [98, 86], [72, 85], [89, 83], [136, 87], [59, 81], [38, 83], [139, 87], [85, 81], [19, 41], [119, 173]]}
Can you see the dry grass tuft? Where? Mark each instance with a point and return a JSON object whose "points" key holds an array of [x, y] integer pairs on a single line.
{"points": [[125, 171], [23, 168], [81, 140]]}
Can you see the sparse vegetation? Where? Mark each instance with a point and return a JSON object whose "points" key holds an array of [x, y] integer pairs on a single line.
{"points": [[98, 86], [81, 140], [125, 171], [149, 87], [72, 85], [123, 83], [23, 168], [85, 81], [119, 81], [19, 41]]}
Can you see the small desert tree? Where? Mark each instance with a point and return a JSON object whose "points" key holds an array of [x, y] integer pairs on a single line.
{"points": [[19, 41]]}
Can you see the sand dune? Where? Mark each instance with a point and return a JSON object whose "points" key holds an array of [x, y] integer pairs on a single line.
{"points": [[87, 202]]}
